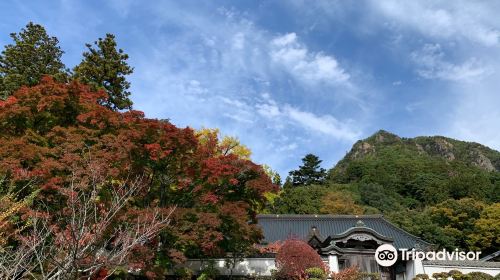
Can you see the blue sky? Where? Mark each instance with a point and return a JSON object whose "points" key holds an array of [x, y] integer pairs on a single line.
{"points": [[295, 77]]}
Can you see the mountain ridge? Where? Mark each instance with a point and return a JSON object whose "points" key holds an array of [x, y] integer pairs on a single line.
{"points": [[472, 153]]}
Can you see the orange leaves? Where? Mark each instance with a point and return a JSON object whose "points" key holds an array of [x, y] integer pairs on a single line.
{"points": [[54, 132], [351, 273], [271, 248], [8, 102], [156, 152], [215, 169], [209, 198]]}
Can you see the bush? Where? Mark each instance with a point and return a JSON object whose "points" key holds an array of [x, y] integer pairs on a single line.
{"points": [[354, 274], [458, 275], [351, 273], [316, 273], [184, 273], [209, 272], [454, 272], [294, 257], [440, 275], [480, 276], [421, 277], [369, 276]]}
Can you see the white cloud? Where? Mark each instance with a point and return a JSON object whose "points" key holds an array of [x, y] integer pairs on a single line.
{"points": [[268, 110], [306, 66], [432, 65], [218, 72], [324, 124], [238, 41], [468, 20], [289, 147], [475, 116]]}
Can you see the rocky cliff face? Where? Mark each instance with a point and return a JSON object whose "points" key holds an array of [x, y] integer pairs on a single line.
{"points": [[470, 153]]}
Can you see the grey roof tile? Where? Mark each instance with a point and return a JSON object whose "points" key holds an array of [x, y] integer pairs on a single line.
{"points": [[282, 227]]}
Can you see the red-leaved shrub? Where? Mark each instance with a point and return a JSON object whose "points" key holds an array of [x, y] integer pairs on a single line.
{"points": [[294, 257]]}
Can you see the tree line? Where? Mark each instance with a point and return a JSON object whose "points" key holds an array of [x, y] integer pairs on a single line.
{"points": [[452, 205], [34, 54]]}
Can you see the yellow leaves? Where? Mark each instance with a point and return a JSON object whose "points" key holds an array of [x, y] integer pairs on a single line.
{"points": [[209, 138], [231, 145], [9, 206], [340, 203], [205, 134], [271, 197], [487, 228]]}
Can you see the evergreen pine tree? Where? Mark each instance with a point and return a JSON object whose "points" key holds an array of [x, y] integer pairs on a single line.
{"points": [[309, 173], [32, 55], [104, 66]]}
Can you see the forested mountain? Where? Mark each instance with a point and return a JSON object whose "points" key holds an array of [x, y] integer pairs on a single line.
{"points": [[422, 170], [444, 190]]}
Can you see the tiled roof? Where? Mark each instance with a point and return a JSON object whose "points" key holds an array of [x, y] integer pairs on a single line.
{"points": [[282, 227], [491, 256], [464, 263]]}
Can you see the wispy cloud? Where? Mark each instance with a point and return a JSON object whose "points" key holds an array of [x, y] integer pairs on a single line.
{"points": [[432, 64], [445, 19], [306, 77], [325, 124], [320, 124]]}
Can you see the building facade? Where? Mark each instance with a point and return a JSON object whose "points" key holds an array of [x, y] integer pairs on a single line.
{"points": [[344, 241]]}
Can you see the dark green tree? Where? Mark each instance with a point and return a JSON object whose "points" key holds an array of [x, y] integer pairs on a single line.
{"points": [[32, 55], [288, 183], [309, 173], [105, 67], [301, 200]]}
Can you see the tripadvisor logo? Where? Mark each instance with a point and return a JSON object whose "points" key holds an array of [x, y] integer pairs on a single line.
{"points": [[387, 255]]}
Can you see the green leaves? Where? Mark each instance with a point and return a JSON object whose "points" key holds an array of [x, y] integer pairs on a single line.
{"points": [[105, 67], [309, 173], [32, 55]]}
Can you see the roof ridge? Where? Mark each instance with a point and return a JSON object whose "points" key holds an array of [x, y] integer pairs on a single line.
{"points": [[311, 216]]}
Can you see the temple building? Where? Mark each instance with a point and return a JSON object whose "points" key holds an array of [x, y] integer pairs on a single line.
{"points": [[348, 240]]}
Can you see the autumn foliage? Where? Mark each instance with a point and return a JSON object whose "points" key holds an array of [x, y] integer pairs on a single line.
{"points": [[54, 132], [294, 258], [351, 273]]}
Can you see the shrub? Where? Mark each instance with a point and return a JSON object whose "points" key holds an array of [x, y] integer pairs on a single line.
{"points": [[480, 276], [421, 277], [458, 275], [209, 272], [454, 273], [440, 275], [184, 273], [294, 257], [369, 276], [316, 273], [351, 273]]}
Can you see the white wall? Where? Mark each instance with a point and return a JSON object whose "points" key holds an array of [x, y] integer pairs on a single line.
{"points": [[253, 266], [263, 267], [333, 263]]}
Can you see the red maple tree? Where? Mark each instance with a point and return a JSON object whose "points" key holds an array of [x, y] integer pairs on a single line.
{"points": [[294, 257], [54, 132]]}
